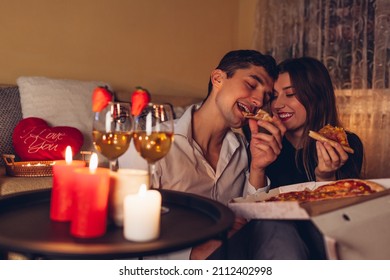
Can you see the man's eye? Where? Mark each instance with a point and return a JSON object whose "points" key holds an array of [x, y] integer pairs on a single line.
{"points": [[251, 86]]}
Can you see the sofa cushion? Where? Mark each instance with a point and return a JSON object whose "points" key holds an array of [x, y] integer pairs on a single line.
{"points": [[10, 115], [60, 102], [11, 185]]}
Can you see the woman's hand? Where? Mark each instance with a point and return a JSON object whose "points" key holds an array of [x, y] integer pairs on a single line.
{"points": [[330, 159]]}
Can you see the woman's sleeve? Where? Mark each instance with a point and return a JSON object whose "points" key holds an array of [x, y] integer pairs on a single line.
{"points": [[353, 167]]}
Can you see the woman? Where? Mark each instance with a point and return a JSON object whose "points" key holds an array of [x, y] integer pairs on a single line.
{"points": [[304, 100]]}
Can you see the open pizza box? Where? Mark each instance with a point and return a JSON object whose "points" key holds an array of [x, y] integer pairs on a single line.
{"points": [[353, 228]]}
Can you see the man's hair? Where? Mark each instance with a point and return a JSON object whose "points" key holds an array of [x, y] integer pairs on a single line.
{"points": [[243, 59]]}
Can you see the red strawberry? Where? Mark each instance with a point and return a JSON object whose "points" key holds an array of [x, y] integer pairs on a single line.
{"points": [[100, 98], [139, 99]]}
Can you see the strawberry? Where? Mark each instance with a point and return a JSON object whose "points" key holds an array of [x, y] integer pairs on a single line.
{"points": [[100, 98], [139, 99]]}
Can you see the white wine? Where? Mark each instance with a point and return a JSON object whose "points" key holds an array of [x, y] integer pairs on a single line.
{"points": [[111, 145], [154, 146]]}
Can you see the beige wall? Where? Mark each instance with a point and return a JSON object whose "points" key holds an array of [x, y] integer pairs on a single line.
{"points": [[167, 46]]}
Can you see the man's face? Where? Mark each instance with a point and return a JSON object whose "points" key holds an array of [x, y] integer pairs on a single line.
{"points": [[247, 90]]}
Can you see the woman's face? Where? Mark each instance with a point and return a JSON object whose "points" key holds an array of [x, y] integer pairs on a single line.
{"points": [[287, 106]]}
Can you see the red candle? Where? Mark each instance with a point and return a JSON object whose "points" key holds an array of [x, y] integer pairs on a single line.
{"points": [[63, 183], [90, 201]]}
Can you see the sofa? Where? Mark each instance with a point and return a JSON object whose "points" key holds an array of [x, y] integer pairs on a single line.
{"points": [[59, 102]]}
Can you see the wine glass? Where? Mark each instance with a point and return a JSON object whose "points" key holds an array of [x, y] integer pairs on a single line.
{"points": [[153, 135], [111, 131]]}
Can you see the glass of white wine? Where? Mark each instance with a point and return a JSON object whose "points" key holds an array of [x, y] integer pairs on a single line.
{"points": [[112, 129], [153, 135]]}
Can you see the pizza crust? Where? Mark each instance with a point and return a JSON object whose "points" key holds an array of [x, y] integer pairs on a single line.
{"points": [[260, 115], [321, 138], [373, 185]]}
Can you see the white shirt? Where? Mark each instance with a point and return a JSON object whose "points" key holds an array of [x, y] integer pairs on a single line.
{"points": [[185, 168]]}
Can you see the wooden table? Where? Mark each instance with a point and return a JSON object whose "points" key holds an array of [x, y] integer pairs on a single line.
{"points": [[25, 227]]}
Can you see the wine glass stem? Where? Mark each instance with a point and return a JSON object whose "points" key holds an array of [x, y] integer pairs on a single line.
{"points": [[114, 165], [151, 170]]}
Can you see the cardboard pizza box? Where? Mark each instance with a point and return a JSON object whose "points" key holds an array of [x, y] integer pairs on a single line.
{"points": [[358, 231], [254, 207], [356, 228]]}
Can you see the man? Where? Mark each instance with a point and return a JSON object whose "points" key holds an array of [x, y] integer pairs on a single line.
{"points": [[208, 158]]}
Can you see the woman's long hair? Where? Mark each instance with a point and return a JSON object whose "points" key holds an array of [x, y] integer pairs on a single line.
{"points": [[314, 90]]}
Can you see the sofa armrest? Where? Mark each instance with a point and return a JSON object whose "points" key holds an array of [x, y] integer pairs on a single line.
{"points": [[11, 185]]}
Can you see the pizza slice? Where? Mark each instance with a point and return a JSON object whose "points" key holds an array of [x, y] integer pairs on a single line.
{"points": [[260, 115], [351, 185], [332, 135], [337, 189]]}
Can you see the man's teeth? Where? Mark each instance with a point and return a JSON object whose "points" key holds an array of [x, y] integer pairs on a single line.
{"points": [[285, 115], [243, 107]]}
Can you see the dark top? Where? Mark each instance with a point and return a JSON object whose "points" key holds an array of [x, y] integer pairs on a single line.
{"points": [[286, 171]]}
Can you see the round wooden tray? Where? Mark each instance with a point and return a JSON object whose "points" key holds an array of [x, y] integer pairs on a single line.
{"points": [[25, 227]]}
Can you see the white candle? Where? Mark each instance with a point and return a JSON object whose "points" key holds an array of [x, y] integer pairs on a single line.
{"points": [[122, 183], [142, 213]]}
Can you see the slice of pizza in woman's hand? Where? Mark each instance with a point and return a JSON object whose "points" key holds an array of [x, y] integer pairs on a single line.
{"points": [[332, 135], [260, 115]]}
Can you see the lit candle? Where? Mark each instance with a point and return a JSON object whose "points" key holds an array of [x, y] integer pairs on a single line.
{"points": [[63, 184], [142, 213], [122, 183], [90, 200]]}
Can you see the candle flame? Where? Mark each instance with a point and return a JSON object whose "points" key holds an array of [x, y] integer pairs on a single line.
{"points": [[68, 155], [142, 190], [93, 163]]}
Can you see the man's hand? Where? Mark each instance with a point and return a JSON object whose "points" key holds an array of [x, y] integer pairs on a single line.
{"points": [[264, 147]]}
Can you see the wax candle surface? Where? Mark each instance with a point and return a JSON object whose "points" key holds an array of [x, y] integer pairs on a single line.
{"points": [[90, 203], [62, 189], [142, 212], [122, 183]]}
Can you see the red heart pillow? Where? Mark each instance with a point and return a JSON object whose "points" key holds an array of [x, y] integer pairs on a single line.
{"points": [[34, 139]]}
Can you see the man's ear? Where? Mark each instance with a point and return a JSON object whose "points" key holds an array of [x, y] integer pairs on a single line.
{"points": [[217, 77]]}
